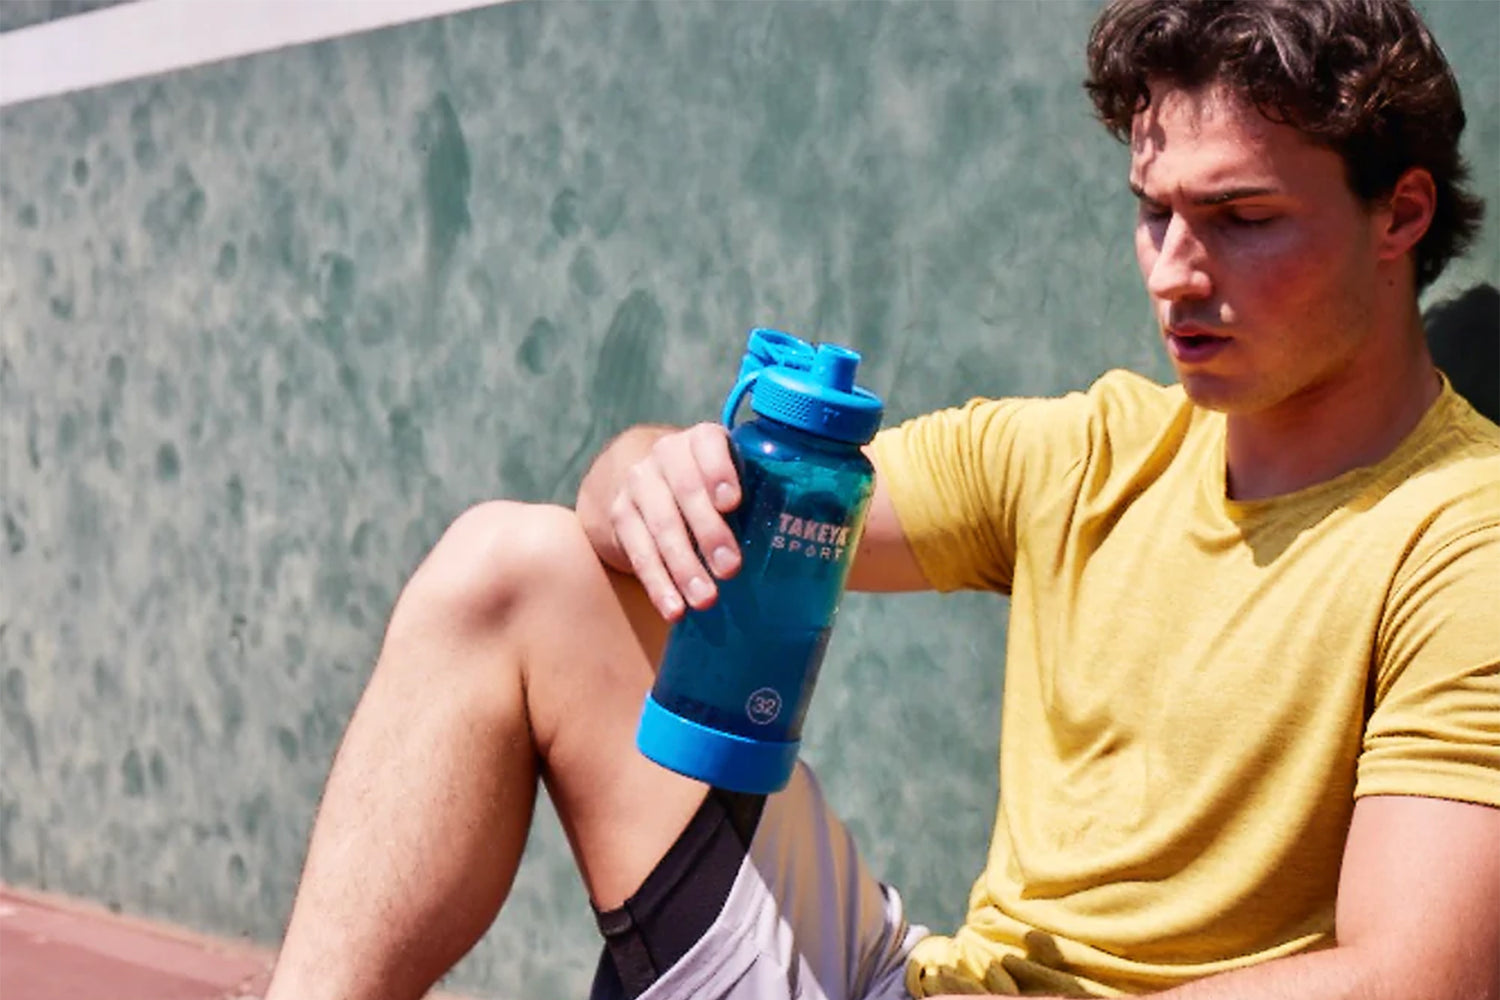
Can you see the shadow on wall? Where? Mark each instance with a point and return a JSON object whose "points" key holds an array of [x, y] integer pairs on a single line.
{"points": [[1464, 335]]}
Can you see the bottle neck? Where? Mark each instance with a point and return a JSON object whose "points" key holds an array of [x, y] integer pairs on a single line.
{"points": [[804, 439]]}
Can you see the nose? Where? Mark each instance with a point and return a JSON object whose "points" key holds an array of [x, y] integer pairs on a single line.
{"points": [[1177, 262]]}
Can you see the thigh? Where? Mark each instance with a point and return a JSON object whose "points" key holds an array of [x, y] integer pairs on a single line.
{"points": [[802, 916]]}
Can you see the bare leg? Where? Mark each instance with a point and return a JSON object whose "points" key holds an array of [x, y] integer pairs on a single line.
{"points": [[511, 655]]}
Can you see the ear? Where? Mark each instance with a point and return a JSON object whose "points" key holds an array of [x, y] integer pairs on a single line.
{"points": [[1405, 214]]}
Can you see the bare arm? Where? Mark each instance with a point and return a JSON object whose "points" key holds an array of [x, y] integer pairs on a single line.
{"points": [[1418, 913], [653, 504], [884, 560]]}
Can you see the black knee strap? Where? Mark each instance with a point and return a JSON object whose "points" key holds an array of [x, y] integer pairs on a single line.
{"points": [[680, 898]]}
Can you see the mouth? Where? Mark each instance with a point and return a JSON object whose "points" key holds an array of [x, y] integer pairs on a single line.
{"points": [[1191, 344]]}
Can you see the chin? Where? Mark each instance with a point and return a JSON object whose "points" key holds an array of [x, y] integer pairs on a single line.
{"points": [[1215, 393]]}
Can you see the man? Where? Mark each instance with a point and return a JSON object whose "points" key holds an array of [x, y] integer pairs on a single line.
{"points": [[1251, 734]]}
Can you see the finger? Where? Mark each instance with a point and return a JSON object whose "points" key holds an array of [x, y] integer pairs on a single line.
{"points": [[710, 445], [691, 483], [658, 508], [640, 548]]}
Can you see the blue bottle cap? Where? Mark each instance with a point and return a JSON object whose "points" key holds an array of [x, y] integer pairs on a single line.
{"points": [[811, 389]]}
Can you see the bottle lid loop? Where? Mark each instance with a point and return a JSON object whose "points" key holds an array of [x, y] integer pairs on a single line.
{"points": [[808, 387]]}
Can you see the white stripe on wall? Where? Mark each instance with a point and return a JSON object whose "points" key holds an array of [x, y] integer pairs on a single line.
{"points": [[146, 37]]}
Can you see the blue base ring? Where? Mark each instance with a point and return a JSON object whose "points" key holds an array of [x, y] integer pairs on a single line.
{"points": [[723, 760]]}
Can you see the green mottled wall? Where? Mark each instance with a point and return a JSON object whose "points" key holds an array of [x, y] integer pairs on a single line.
{"points": [[267, 326], [25, 13]]}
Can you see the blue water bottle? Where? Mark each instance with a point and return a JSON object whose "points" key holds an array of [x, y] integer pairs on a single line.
{"points": [[736, 678]]}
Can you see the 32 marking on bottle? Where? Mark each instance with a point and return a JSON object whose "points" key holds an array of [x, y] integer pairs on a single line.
{"points": [[763, 706]]}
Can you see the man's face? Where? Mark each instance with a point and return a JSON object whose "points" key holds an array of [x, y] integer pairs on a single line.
{"points": [[1259, 260]]}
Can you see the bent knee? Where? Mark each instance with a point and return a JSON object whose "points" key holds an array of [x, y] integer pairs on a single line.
{"points": [[497, 552]]}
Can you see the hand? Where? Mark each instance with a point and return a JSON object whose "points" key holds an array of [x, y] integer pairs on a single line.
{"points": [[668, 515]]}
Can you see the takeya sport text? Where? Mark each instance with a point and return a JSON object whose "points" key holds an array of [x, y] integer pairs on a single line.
{"points": [[813, 539]]}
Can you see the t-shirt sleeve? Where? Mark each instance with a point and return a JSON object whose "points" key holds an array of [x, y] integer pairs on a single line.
{"points": [[1434, 729], [959, 481]]}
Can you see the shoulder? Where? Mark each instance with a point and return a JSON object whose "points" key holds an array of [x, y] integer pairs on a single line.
{"points": [[1121, 412], [1129, 392], [1119, 405], [1448, 476], [1440, 504], [1124, 414]]}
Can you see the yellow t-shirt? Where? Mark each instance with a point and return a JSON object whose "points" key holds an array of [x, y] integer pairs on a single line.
{"points": [[1197, 689]]}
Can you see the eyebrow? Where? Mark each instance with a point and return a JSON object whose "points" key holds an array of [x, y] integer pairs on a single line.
{"points": [[1217, 198]]}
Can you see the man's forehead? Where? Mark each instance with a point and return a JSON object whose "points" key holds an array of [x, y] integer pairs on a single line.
{"points": [[1209, 137], [1186, 112]]}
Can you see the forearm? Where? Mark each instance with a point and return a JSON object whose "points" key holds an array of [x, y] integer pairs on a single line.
{"points": [[1350, 973], [602, 483], [1335, 974]]}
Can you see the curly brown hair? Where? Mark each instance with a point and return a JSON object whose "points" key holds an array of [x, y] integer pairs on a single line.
{"points": [[1364, 77]]}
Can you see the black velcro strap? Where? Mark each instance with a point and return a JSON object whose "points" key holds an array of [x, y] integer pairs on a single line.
{"points": [[680, 899]]}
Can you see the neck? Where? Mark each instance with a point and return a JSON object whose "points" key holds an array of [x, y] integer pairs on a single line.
{"points": [[1354, 418]]}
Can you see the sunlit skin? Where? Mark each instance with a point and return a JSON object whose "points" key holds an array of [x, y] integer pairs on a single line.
{"points": [[1283, 299]]}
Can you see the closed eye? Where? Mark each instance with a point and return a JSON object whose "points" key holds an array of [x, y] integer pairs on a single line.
{"points": [[1250, 219], [1150, 211]]}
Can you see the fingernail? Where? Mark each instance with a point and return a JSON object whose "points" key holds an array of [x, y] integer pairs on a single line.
{"points": [[699, 590], [724, 494], [724, 561], [671, 604]]}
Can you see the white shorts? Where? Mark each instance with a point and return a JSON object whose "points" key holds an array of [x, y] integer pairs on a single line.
{"points": [[803, 918]]}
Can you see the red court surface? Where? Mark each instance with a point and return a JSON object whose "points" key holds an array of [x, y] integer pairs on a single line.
{"points": [[54, 948], [59, 949]]}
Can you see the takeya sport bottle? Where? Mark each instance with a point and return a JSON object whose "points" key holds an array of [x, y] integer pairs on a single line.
{"points": [[736, 678]]}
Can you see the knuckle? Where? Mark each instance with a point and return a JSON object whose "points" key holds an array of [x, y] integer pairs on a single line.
{"points": [[624, 519], [714, 532], [709, 441], [658, 520], [705, 519], [637, 474], [638, 561], [691, 490], [642, 559], [677, 553], [667, 445], [709, 429]]}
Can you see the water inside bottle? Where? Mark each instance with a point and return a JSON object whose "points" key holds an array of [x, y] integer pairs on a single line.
{"points": [[751, 685], [747, 665]]}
